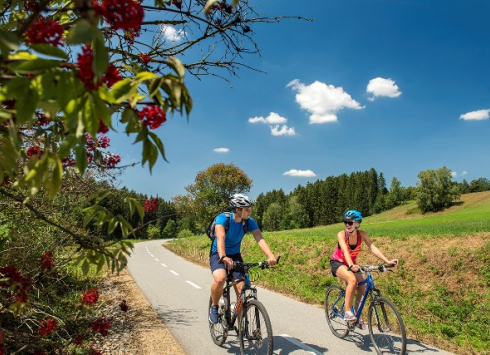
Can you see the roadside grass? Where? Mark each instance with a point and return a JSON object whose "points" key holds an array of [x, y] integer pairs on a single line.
{"points": [[441, 287]]}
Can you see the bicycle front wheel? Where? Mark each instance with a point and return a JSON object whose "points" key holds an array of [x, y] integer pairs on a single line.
{"points": [[334, 311], [386, 328], [219, 331], [255, 330]]}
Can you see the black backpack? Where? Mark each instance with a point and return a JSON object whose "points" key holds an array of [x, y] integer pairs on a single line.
{"points": [[210, 229]]}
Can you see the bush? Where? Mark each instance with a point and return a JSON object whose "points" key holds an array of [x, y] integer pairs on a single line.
{"points": [[185, 233]]}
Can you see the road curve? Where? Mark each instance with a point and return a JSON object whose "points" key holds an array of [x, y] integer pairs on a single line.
{"points": [[179, 292]]}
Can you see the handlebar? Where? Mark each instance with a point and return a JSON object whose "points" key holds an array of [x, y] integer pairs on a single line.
{"points": [[246, 266], [380, 268]]}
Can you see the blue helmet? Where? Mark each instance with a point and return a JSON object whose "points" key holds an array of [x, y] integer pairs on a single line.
{"points": [[352, 215]]}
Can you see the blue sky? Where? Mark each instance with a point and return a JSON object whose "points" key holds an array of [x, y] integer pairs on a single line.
{"points": [[398, 86]]}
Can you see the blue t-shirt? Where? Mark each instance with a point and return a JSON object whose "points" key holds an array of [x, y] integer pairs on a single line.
{"points": [[234, 235]]}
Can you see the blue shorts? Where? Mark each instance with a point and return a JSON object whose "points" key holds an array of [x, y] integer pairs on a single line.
{"points": [[215, 265]]}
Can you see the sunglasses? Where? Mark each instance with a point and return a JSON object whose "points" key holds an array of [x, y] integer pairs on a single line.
{"points": [[349, 223]]}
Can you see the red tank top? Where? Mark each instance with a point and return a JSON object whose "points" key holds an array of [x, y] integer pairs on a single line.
{"points": [[338, 254]]}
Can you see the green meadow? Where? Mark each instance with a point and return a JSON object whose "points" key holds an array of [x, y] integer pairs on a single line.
{"points": [[441, 287]]}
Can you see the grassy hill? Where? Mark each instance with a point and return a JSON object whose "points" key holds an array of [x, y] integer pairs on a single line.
{"points": [[441, 286]]}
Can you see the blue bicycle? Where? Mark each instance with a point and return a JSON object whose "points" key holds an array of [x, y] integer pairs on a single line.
{"points": [[385, 324]]}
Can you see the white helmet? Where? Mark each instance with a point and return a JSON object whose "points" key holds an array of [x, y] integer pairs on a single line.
{"points": [[240, 201]]}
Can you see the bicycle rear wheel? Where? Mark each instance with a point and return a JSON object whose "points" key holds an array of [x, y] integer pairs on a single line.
{"points": [[255, 330], [219, 331], [334, 311], [386, 328]]}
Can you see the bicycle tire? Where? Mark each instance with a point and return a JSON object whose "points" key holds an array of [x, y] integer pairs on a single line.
{"points": [[255, 330], [386, 328], [334, 308], [218, 331]]}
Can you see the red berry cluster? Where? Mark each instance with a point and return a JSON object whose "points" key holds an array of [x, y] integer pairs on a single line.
{"points": [[2, 348], [145, 58], [45, 30], [47, 260], [47, 326], [90, 297], [152, 116], [102, 142], [78, 339], [13, 279], [150, 206], [102, 127], [101, 325], [177, 3], [35, 150], [43, 121], [68, 161], [111, 160], [86, 73], [121, 14]]}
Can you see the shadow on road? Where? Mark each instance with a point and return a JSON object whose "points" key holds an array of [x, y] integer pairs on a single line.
{"points": [[179, 316], [363, 342]]}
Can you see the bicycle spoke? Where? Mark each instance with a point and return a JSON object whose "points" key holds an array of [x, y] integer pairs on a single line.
{"points": [[386, 328], [334, 311], [255, 330], [219, 331]]}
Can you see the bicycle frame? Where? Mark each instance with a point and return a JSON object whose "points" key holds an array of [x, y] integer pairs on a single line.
{"points": [[241, 298], [369, 288]]}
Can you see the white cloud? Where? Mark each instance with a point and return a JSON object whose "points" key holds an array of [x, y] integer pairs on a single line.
{"points": [[476, 115], [171, 33], [283, 131], [455, 174], [322, 101], [300, 173], [273, 118], [221, 150], [381, 87]]}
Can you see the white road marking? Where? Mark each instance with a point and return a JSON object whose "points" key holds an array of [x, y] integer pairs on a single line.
{"points": [[301, 345], [173, 272], [163, 264], [152, 255], [193, 284], [157, 259]]}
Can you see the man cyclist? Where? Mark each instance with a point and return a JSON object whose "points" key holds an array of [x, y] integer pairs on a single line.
{"points": [[225, 248]]}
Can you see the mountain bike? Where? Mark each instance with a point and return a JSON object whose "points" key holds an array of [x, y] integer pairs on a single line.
{"points": [[248, 317], [385, 324]]}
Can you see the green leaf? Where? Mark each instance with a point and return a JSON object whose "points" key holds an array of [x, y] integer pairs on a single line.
{"points": [[150, 154], [145, 76], [101, 57], [158, 144], [82, 32], [34, 65], [90, 117], [27, 103], [122, 90], [8, 42], [81, 158], [57, 176], [177, 66], [52, 51]]}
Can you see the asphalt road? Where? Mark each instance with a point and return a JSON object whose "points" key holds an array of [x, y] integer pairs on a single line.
{"points": [[179, 292]]}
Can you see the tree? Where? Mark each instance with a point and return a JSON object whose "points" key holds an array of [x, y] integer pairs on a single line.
{"points": [[70, 71], [272, 217], [212, 189], [435, 190], [395, 194]]}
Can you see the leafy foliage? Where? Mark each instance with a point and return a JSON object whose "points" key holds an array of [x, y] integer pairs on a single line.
{"points": [[435, 190]]}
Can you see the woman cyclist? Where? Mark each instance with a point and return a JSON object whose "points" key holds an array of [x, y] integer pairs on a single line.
{"points": [[343, 260]]}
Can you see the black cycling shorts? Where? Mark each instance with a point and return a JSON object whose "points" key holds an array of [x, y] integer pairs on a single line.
{"points": [[334, 266]]}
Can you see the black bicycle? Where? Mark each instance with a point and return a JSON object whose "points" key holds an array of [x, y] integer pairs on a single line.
{"points": [[248, 317]]}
